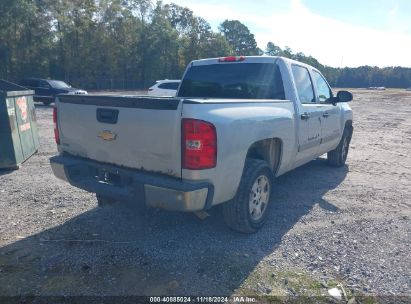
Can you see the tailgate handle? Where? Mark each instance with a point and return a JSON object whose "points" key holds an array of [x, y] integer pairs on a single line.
{"points": [[107, 116]]}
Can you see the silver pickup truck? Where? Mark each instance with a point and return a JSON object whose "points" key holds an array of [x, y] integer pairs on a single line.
{"points": [[236, 124]]}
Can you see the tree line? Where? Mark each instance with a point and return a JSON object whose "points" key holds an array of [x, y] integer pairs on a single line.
{"points": [[360, 77], [128, 44]]}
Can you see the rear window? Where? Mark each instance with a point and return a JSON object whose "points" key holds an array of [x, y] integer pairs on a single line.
{"points": [[169, 85], [233, 80]]}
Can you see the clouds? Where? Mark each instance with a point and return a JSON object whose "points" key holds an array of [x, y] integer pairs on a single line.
{"points": [[324, 38], [397, 21], [329, 40]]}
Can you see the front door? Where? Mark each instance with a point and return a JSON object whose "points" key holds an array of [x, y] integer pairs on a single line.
{"points": [[309, 119]]}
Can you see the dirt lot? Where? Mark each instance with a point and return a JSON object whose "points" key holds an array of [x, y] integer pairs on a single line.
{"points": [[347, 227]]}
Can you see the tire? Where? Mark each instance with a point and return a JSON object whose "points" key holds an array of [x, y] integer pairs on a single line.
{"points": [[338, 156], [244, 213], [103, 201]]}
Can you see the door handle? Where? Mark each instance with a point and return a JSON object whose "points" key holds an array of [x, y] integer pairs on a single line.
{"points": [[305, 116], [325, 114]]}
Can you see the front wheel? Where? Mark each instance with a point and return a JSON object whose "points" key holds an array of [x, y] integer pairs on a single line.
{"points": [[247, 212], [338, 156]]}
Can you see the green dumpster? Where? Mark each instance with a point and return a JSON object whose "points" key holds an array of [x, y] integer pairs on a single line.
{"points": [[18, 127]]}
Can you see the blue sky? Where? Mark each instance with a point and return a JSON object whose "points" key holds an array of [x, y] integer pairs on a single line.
{"points": [[337, 33]]}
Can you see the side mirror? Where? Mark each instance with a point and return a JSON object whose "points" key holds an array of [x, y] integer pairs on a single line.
{"points": [[344, 96]]}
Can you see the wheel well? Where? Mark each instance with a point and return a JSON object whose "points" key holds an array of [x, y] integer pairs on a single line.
{"points": [[348, 126], [269, 149]]}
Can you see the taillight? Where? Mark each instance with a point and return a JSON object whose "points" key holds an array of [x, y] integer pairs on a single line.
{"points": [[231, 59], [56, 129], [198, 144]]}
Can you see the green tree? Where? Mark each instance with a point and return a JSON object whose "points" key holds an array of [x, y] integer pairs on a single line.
{"points": [[25, 38], [273, 50], [287, 52], [142, 9], [196, 39], [239, 37], [129, 43], [162, 55]]}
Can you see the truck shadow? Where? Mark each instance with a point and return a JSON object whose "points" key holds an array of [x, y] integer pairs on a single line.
{"points": [[5, 171], [132, 251]]}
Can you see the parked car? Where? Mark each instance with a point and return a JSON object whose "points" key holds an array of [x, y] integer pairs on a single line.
{"points": [[164, 88], [46, 90], [235, 125]]}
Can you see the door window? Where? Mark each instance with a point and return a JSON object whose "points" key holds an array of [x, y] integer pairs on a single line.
{"points": [[303, 84], [323, 90], [169, 85]]}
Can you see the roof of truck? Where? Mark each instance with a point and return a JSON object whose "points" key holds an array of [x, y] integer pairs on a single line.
{"points": [[245, 59]]}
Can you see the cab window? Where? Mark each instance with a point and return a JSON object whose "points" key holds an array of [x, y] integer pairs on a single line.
{"points": [[233, 80], [323, 90], [303, 84]]}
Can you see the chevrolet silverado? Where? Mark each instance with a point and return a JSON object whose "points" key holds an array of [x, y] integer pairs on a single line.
{"points": [[235, 125]]}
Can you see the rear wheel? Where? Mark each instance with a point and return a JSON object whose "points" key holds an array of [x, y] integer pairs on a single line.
{"points": [[338, 156], [247, 212]]}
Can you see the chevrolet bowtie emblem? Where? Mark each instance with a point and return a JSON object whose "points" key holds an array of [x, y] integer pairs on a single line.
{"points": [[107, 135]]}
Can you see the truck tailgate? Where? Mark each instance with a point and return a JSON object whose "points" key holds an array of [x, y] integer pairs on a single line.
{"points": [[134, 132]]}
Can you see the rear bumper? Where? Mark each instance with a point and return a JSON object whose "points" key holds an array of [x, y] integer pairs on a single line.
{"points": [[121, 183]]}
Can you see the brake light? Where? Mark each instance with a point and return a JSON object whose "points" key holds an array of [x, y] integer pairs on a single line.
{"points": [[198, 144], [231, 59], [56, 129]]}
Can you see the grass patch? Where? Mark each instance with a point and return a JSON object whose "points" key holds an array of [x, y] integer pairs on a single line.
{"points": [[294, 285]]}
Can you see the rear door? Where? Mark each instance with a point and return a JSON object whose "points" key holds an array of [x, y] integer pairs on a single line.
{"points": [[330, 114], [134, 132]]}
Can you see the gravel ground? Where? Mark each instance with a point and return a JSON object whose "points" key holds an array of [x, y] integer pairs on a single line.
{"points": [[347, 227]]}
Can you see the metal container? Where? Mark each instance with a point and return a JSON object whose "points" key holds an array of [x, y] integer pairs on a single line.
{"points": [[18, 126]]}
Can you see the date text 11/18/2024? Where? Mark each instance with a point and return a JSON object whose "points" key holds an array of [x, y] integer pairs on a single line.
{"points": [[202, 299]]}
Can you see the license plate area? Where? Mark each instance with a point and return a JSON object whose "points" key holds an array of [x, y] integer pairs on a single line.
{"points": [[112, 177]]}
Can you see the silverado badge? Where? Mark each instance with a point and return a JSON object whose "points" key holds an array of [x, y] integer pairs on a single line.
{"points": [[107, 135]]}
